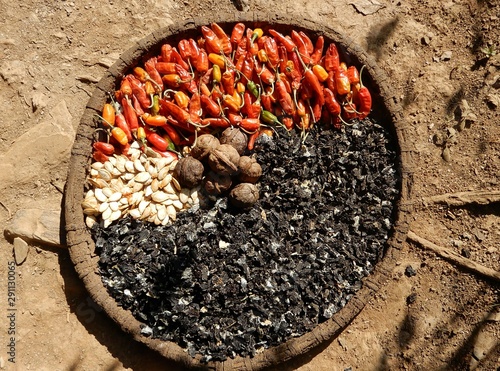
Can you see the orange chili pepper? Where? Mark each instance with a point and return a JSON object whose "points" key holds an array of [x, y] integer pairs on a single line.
{"points": [[228, 82], [181, 99], [320, 72], [216, 122], [229, 102], [217, 60], [165, 67], [109, 114], [156, 120], [119, 135], [150, 66], [225, 41], [342, 82], [237, 33], [212, 42], [240, 87]]}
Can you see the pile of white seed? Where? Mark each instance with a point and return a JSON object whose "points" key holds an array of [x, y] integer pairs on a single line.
{"points": [[137, 185]]}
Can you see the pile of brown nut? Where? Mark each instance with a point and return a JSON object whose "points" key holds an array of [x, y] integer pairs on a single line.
{"points": [[218, 164]]}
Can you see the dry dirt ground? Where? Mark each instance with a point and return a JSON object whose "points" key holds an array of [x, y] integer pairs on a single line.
{"points": [[437, 54]]}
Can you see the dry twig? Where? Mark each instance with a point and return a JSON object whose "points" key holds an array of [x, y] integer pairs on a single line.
{"points": [[454, 257], [464, 198]]}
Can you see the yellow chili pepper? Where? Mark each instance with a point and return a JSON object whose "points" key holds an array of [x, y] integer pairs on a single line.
{"points": [[217, 59], [229, 102], [258, 32], [320, 72], [149, 88], [237, 98], [262, 56], [240, 87], [216, 74], [181, 99]]}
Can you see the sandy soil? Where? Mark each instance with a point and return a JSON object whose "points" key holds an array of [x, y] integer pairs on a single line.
{"points": [[435, 52]]}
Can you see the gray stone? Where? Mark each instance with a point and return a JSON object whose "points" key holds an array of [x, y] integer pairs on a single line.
{"points": [[40, 226], [21, 248]]}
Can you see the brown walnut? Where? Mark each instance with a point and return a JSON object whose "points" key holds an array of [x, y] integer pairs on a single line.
{"points": [[224, 159], [189, 172], [236, 138], [250, 170], [205, 144], [216, 183], [244, 195]]}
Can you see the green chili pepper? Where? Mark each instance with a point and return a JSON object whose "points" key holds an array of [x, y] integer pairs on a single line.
{"points": [[269, 118], [252, 87]]}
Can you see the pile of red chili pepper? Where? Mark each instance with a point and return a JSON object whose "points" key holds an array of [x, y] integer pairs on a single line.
{"points": [[246, 79]]}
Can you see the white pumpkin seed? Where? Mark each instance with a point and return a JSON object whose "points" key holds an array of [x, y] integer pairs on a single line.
{"points": [[103, 207], [90, 220], [159, 196], [143, 177], [139, 166], [99, 194], [135, 213], [106, 213], [114, 205], [115, 196]]}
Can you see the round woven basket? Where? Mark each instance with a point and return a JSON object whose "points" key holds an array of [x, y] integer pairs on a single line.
{"points": [[81, 245]]}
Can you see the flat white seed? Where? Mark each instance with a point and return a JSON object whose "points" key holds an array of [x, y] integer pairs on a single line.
{"points": [[106, 213], [116, 172], [155, 185], [159, 196], [108, 165], [136, 198], [97, 165], [161, 211], [142, 205], [90, 203], [163, 161], [129, 166], [184, 195], [165, 181], [134, 154], [89, 193], [107, 191], [169, 188], [115, 215], [127, 176], [165, 221], [99, 194], [162, 173], [139, 166], [143, 177], [123, 201], [115, 196], [135, 145], [137, 187], [173, 164], [157, 220], [151, 218], [148, 191], [176, 184], [153, 208], [194, 195], [103, 207], [116, 185], [171, 212], [98, 182], [146, 213], [178, 205], [112, 161], [167, 202], [135, 213], [104, 174], [106, 223], [94, 173], [90, 211], [120, 164], [90, 220], [153, 171], [115, 205]]}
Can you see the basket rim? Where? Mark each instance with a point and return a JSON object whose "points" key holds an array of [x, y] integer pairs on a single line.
{"points": [[81, 246]]}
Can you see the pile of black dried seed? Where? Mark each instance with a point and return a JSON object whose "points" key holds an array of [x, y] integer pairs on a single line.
{"points": [[223, 282]]}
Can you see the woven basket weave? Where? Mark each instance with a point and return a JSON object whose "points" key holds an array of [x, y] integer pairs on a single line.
{"points": [[81, 245]]}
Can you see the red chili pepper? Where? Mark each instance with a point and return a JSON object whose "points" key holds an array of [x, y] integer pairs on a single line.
{"points": [[166, 52], [350, 111], [318, 50], [307, 41], [250, 124], [284, 98], [137, 106], [248, 66], [264, 73], [293, 74], [332, 59], [176, 57], [271, 48], [252, 47], [251, 140], [210, 106], [301, 46], [288, 122], [315, 85], [204, 90], [353, 74], [216, 94], [139, 92], [168, 154], [298, 63], [212, 42], [129, 113], [150, 66], [239, 62], [165, 67], [99, 156], [122, 124], [227, 81], [266, 101], [216, 122], [173, 109], [201, 63], [125, 88], [157, 141], [237, 34], [234, 119], [365, 99], [330, 81], [287, 43], [106, 148], [225, 41], [195, 108], [283, 64], [241, 50], [185, 50], [331, 103], [172, 133]]}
